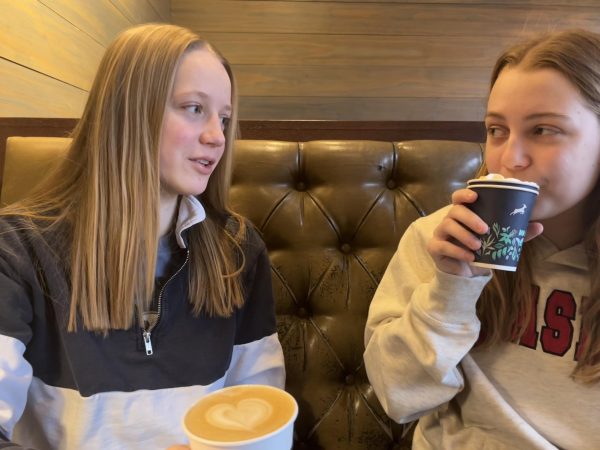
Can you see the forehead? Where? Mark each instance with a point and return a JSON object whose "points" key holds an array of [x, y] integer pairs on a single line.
{"points": [[534, 89], [201, 70]]}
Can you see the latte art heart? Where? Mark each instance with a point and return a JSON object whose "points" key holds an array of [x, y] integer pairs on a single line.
{"points": [[246, 415]]}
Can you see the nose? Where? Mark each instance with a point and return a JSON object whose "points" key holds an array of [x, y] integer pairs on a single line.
{"points": [[515, 156], [212, 133]]}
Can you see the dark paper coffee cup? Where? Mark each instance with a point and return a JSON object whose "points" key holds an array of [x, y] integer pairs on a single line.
{"points": [[505, 205]]}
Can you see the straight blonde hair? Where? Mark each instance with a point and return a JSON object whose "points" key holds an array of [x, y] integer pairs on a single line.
{"points": [[105, 196], [505, 307]]}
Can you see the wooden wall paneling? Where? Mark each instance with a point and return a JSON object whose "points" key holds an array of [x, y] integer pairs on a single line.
{"points": [[100, 19], [361, 108], [358, 50], [371, 60], [163, 8], [138, 11], [376, 81], [27, 93], [34, 37], [378, 18]]}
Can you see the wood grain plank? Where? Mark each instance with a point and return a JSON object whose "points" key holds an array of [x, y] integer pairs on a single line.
{"points": [[35, 37], [26, 93], [571, 3], [362, 108], [99, 18], [163, 9], [379, 18], [137, 11], [376, 50], [353, 81]]}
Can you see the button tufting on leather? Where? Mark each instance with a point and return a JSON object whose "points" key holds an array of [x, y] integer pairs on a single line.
{"points": [[302, 313], [322, 291]]}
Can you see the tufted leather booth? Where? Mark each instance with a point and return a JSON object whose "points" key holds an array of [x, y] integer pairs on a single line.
{"points": [[331, 213]]}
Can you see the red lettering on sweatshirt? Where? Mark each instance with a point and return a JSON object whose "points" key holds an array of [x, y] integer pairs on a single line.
{"points": [[557, 335]]}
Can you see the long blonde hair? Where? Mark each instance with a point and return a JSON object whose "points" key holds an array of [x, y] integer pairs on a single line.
{"points": [[505, 307], [106, 194]]}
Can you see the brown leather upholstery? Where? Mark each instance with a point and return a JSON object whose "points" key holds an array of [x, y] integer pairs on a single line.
{"points": [[331, 213]]}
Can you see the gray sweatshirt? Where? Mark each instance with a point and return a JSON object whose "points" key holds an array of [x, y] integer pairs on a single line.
{"points": [[422, 360]]}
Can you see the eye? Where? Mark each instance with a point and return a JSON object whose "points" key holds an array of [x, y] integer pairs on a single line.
{"points": [[495, 131], [225, 122], [545, 131], [194, 109]]}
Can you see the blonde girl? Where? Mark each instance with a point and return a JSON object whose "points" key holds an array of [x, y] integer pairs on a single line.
{"points": [[128, 288]]}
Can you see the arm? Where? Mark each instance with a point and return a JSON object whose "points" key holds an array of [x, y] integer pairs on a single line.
{"points": [[15, 371], [257, 355], [421, 323]]}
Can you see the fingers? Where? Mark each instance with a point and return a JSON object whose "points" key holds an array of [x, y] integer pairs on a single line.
{"points": [[463, 196], [440, 249], [534, 229], [456, 238]]}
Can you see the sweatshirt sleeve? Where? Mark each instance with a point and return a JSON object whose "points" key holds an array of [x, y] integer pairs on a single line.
{"points": [[15, 371], [257, 354], [421, 323]]}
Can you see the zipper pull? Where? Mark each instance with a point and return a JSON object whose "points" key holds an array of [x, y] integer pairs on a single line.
{"points": [[147, 342]]}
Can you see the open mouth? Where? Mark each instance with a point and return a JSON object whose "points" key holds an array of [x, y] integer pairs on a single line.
{"points": [[203, 162]]}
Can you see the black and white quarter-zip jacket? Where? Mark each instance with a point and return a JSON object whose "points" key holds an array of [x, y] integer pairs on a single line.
{"points": [[130, 389]]}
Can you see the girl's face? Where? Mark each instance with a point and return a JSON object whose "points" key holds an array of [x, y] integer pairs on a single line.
{"points": [[540, 129], [192, 139]]}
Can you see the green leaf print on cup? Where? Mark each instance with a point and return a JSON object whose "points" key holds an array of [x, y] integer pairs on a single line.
{"points": [[502, 243]]}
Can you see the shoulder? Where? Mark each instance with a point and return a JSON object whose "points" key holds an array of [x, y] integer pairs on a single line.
{"points": [[423, 227], [15, 232], [246, 234]]}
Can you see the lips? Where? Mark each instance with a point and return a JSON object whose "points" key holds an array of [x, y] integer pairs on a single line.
{"points": [[205, 162], [204, 165]]}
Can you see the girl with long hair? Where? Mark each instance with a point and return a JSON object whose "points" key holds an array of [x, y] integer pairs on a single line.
{"points": [[506, 360], [128, 288]]}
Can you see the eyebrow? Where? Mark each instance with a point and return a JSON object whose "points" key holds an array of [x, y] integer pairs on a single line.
{"points": [[535, 116]]}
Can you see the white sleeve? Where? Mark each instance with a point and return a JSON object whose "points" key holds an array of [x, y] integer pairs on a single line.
{"points": [[15, 378], [257, 362], [421, 323]]}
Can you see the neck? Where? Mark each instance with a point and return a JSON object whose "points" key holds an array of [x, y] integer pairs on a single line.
{"points": [[569, 227], [168, 209]]}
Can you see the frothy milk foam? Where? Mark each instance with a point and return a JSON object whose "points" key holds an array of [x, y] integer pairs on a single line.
{"points": [[500, 177], [240, 413], [246, 415]]}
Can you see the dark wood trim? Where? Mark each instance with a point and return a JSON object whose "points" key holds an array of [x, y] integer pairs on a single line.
{"points": [[284, 130], [309, 130]]}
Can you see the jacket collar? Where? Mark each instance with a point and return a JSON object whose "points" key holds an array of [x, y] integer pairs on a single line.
{"points": [[190, 213]]}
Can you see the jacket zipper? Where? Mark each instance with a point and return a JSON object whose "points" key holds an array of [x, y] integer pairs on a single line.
{"points": [[147, 331]]}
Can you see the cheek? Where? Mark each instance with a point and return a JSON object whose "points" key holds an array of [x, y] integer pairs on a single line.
{"points": [[175, 133], [492, 160]]}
